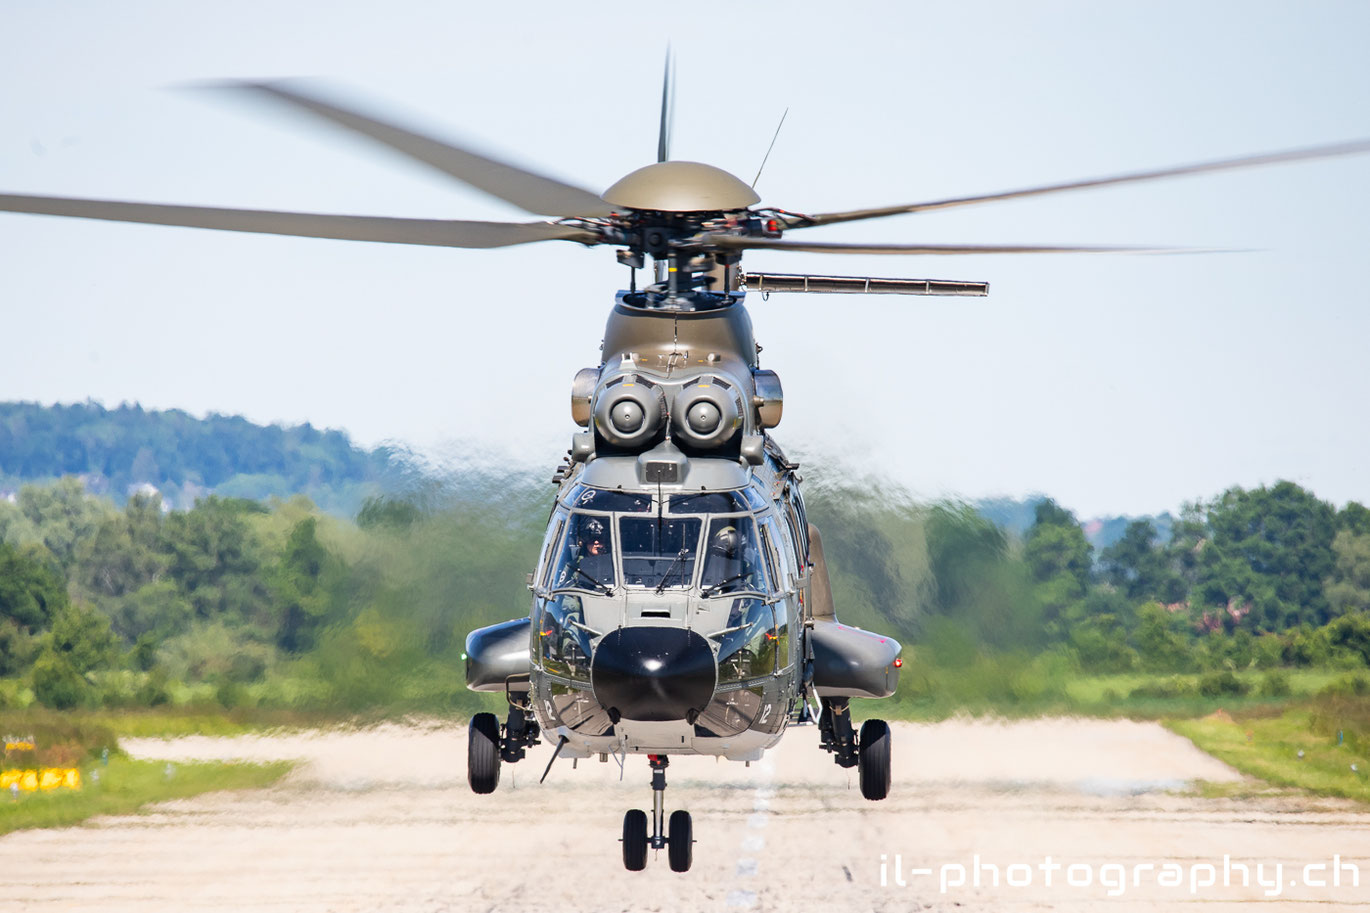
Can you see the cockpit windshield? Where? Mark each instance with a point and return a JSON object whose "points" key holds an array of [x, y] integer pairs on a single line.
{"points": [[635, 542], [586, 560], [627, 502], [659, 551], [733, 563]]}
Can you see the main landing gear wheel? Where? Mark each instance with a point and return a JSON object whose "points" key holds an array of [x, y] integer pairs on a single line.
{"points": [[635, 840], [482, 753], [680, 844], [874, 759], [677, 837]]}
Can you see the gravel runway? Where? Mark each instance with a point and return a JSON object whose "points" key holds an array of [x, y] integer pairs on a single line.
{"points": [[382, 819]]}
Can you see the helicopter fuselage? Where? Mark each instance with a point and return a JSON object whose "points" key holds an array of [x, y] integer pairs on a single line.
{"points": [[680, 603]]}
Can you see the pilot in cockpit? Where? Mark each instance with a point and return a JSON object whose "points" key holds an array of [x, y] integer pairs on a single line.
{"points": [[732, 562], [590, 555]]}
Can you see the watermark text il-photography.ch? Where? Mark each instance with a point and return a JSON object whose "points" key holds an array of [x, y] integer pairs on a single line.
{"points": [[1114, 879]]}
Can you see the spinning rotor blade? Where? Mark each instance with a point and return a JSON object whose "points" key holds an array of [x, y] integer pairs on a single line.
{"points": [[530, 192], [663, 140], [1270, 158], [433, 232], [733, 242]]}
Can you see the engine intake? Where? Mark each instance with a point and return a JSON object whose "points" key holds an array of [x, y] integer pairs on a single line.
{"points": [[706, 413], [629, 411]]}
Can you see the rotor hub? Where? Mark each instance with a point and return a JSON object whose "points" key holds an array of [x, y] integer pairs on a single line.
{"points": [[681, 187]]}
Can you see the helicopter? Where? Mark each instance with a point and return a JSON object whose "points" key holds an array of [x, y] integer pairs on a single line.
{"points": [[681, 602]]}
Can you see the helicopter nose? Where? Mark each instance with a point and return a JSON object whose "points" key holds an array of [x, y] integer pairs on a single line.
{"points": [[656, 674]]}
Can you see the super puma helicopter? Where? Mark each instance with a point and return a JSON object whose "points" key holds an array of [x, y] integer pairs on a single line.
{"points": [[681, 603]]}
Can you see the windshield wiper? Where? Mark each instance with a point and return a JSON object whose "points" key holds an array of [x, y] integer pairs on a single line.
{"points": [[608, 590], [667, 576], [710, 590]]}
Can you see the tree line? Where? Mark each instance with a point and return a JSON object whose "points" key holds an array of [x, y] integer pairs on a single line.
{"points": [[276, 603], [118, 450]]}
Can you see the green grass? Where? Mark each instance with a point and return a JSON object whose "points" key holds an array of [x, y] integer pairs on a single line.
{"points": [[1268, 747], [125, 786], [169, 723], [1013, 689], [1105, 689], [164, 722]]}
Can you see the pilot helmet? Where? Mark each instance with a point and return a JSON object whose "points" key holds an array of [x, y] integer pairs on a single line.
{"points": [[725, 542], [592, 534]]}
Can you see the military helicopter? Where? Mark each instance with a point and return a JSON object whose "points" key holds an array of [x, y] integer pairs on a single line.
{"points": [[681, 602]]}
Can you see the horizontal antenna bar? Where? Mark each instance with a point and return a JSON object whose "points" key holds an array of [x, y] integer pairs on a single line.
{"points": [[868, 285]]}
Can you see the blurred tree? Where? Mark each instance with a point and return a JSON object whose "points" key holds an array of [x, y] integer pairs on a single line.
{"points": [[81, 636], [57, 684], [1354, 517], [1059, 558], [124, 553], [298, 584], [1270, 551], [380, 512], [217, 561], [1348, 588], [1139, 568], [1162, 644], [15, 528], [1100, 643], [1351, 633], [31, 590], [152, 613], [962, 546], [63, 515]]}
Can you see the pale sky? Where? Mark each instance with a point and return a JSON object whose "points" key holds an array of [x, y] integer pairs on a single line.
{"points": [[1115, 384]]}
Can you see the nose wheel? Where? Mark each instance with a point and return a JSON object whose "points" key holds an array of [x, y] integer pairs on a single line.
{"points": [[675, 836]]}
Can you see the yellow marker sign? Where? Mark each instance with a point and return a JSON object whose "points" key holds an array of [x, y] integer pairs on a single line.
{"points": [[46, 778]]}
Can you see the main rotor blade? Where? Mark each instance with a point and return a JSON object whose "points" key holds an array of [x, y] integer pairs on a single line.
{"points": [[663, 140], [432, 232], [1270, 158], [734, 242], [530, 192]]}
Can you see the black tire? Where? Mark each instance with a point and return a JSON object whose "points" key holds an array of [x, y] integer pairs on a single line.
{"points": [[635, 840], [482, 753], [874, 763], [680, 841]]}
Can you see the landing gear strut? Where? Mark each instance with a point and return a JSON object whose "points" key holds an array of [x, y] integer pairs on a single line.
{"points": [[870, 754], [676, 837]]}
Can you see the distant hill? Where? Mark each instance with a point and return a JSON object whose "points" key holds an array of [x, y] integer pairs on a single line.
{"points": [[119, 451], [123, 450], [1016, 516]]}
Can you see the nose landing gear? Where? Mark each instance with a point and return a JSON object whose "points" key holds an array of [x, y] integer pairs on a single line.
{"points": [[677, 836]]}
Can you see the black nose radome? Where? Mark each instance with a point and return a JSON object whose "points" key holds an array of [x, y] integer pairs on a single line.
{"points": [[653, 674]]}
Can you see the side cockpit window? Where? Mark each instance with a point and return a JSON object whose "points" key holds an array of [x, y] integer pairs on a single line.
{"points": [[586, 559], [733, 562]]}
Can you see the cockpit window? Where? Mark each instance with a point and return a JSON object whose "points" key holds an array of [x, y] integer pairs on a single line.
{"points": [[603, 499], [659, 551], [733, 563], [709, 502], [586, 559], [563, 641], [754, 499]]}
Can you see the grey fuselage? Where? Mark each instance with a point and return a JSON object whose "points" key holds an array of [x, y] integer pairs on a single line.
{"points": [[674, 603]]}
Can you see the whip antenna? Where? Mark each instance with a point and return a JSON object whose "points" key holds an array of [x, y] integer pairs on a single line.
{"points": [[770, 147]]}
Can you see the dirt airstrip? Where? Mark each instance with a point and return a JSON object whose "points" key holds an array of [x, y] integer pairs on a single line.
{"points": [[982, 816]]}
